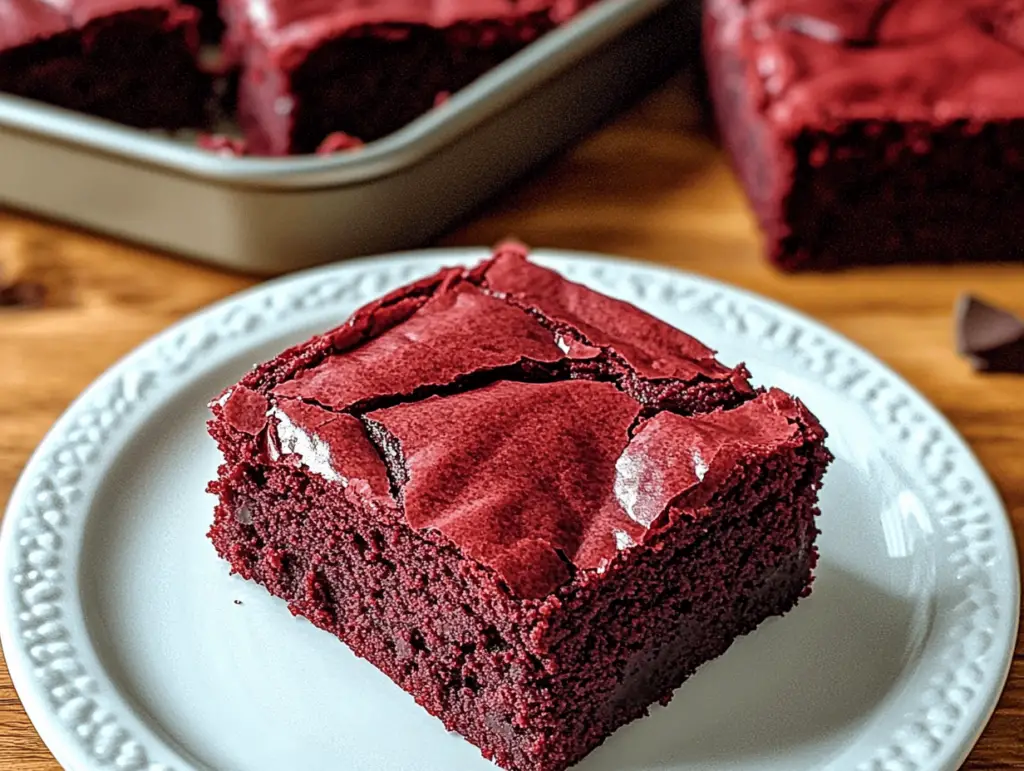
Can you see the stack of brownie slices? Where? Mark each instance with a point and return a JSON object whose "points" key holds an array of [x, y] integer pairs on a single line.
{"points": [[535, 508]]}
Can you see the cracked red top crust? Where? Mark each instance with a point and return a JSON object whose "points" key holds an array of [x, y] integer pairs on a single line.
{"points": [[903, 60], [454, 334], [650, 347], [499, 406]]}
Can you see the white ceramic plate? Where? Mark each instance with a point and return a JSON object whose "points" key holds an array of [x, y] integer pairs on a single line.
{"points": [[132, 648]]}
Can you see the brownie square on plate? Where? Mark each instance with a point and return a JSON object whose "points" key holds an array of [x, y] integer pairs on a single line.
{"points": [[874, 132], [536, 508], [131, 61], [310, 69]]}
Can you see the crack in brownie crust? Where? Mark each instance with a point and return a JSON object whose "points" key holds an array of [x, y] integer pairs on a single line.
{"points": [[479, 484]]}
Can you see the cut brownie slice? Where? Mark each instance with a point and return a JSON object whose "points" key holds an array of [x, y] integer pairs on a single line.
{"points": [[874, 132], [366, 69], [132, 61], [535, 508]]}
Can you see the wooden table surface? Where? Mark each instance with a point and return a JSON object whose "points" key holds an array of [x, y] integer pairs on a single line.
{"points": [[651, 186]]}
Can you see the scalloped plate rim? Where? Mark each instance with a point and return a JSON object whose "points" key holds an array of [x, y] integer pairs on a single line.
{"points": [[71, 754]]}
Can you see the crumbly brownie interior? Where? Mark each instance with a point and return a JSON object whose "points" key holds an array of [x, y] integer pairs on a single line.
{"points": [[636, 637], [536, 687], [883, 192], [369, 86], [535, 670]]}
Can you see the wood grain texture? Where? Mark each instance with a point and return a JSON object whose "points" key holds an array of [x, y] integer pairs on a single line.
{"points": [[650, 186]]}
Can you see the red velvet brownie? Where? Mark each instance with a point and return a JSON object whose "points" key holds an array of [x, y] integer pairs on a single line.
{"points": [[366, 69], [875, 131], [535, 508], [132, 61]]}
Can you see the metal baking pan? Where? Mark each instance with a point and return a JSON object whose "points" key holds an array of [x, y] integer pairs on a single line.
{"points": [[271, 215]]}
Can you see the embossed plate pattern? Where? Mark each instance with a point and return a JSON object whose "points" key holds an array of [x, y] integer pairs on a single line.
{"points": [[133, 649]]}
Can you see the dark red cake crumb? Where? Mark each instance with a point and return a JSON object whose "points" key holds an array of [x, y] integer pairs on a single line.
{"points": [[131, 61], [874, 132], [535, 508]]}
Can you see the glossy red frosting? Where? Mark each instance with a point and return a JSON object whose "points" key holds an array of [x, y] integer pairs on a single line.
{"points": [[26, 21], [905, 60], [304, 23], [429, 393]]}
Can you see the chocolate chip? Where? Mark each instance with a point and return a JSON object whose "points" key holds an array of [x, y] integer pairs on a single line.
{"points": [[990, 338], [22, 294]]}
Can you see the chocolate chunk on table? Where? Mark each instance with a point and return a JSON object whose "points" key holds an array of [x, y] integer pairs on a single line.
{"points": [[990, 338]]}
